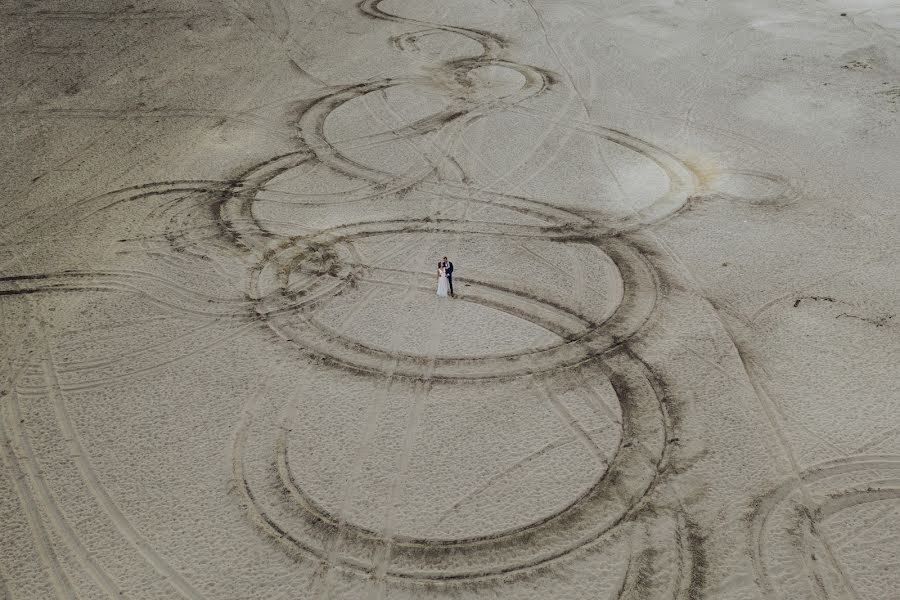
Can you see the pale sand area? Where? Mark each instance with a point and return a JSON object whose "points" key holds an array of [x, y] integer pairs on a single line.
{"points": [[670, 371]]}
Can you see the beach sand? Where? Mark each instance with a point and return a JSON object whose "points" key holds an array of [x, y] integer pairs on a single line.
{"points": [[669, 371]]}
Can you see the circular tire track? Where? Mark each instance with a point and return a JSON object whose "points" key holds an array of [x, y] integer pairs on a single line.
{"points": [[838, 485], [292, 276], [614, 499], [274, 290]]}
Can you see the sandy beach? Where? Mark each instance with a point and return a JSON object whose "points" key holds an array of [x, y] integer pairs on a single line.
{"points": [[669, 368]]}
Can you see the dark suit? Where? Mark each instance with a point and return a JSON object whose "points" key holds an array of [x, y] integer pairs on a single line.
{"points": [[448, 270]]}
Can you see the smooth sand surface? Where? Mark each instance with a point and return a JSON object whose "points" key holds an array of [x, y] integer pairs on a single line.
{"points": [[670, 370]]}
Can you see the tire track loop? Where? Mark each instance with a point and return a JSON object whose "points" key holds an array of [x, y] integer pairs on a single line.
{"points": [[770, 408], [118, 518], [492, 106], [766, 404], [446, 156], [641, 309], [446, 153], [628, 496], [770, 503]]}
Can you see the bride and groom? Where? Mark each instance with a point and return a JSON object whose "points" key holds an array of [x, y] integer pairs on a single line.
{"points": [[445, 278]]}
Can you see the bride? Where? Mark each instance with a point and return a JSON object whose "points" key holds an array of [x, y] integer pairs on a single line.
{"points": [[443, 284]]}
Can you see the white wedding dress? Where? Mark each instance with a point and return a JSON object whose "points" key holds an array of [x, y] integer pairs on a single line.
{"points": [[443, 284]]}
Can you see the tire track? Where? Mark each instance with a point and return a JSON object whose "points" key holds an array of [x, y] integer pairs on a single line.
{"points": [[330, 547], [59, 580], [507, 472], [420, 395], [638, 304], [44, 283], [570, 422], [90, 478], [76, 366], [770, 411], [100, 382], [297, 274], [382, 394], [766, 506], [584, 103], [682, 180], [614, 500], [44, 498]]}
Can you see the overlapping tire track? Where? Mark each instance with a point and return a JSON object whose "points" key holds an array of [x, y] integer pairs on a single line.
{"points": [[415, 559], [836, 486], [290, 277]]}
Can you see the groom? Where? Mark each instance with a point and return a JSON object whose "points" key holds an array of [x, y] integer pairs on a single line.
{"points": [[448, 269]]}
